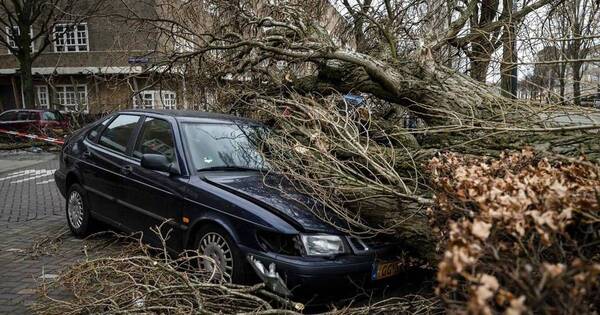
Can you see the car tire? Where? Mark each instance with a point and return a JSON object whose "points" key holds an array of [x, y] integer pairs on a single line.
{"points": [[78, 214], [215, 242]]}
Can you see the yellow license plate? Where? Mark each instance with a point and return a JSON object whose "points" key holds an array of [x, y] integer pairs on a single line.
{"points": [[385, 269]]}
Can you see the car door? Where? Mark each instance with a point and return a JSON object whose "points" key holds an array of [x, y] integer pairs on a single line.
{"points": [[103, 168], [153, 197]]}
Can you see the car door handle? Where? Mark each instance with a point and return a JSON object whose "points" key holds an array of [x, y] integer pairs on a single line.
{"points": [[126, 169], [86, 154]]}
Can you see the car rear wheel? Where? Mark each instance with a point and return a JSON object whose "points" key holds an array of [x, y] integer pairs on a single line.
{"points": [[215, 243], [78, 214]]}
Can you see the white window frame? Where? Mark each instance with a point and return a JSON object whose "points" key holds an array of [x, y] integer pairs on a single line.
{"points": [[63, 36], [144, 96], [158, 99], [12, 43], [168, 99], [43, 97], [81, 103]]}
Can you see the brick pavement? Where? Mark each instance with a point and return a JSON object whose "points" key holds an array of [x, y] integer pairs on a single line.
{"points": [[31, 211]]}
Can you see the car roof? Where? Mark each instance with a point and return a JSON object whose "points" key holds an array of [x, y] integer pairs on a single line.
{"points": [[185, 114], [27, 110]]}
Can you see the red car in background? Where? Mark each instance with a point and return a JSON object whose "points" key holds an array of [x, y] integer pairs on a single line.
{"points": [[37, 121]]}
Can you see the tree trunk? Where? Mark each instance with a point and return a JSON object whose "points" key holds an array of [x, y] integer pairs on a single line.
{"points": [[576, 67], [27, 84], [480, 61], [509, 56], [562, 83]]}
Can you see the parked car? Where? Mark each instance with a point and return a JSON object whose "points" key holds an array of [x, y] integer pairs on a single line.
{"points": [[204, 174], [34, 120]]}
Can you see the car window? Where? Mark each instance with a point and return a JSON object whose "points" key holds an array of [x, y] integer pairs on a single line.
{"points": [[224, 145], [23, 116], [117, 134], [34, 116], [8, 116], [96, 130], [156, 137], [50, 116]]}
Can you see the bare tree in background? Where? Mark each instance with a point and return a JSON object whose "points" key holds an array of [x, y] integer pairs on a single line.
{"points": [[26, 28], [583, 17]]}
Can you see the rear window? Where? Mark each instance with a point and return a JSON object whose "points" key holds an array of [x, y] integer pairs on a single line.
{"points": [[116, 136], [51, 116]]}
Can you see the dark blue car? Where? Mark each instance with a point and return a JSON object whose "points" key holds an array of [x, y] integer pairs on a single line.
{"points": [[203, 174]]}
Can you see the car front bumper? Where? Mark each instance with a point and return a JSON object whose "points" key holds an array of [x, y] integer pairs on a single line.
{"points": [[308, 276]]}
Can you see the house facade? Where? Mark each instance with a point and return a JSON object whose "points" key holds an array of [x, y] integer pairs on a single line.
{"points": [[110, 60], [94, 65]]}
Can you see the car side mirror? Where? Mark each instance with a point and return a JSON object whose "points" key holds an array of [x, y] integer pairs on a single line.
{"points": [[159, 162]]}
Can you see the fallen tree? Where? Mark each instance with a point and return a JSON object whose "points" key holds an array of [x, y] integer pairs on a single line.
{"points": [[361, 162]]}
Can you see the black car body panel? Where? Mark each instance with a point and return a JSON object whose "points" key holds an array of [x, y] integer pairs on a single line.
{"points": [[276, 194], [246, 204]]}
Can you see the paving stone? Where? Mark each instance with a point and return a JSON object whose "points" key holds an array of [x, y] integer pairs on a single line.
{"points": [[28, 213]]}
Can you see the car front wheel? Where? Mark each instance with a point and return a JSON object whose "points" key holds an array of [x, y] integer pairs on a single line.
{"points": [[78, 214], [216, 244]]}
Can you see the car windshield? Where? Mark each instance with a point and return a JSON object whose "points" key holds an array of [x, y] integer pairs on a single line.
{"points": [[215, 146]]}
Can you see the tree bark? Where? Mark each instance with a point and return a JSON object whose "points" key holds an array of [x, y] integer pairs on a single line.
{"points": [[27, 83], [576, 67], [509, 56]]}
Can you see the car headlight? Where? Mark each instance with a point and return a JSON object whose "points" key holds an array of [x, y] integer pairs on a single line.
{"points": [[322, 245]]}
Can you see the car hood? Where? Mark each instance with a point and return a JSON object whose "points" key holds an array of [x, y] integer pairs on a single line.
{"points": [[276, 194]]}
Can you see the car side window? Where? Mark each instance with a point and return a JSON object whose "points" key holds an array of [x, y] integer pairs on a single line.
{"points": [[8, 116], [50, 116], [117, 134], [23, 116], [34, 116], [93, 134], [156, 137]]}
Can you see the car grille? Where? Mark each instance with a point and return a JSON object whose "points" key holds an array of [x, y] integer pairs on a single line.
{"points": [[365, 245]]}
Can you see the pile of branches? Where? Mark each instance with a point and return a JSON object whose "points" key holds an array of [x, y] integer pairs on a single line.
{"points": [[520, 234], [142, 279]]}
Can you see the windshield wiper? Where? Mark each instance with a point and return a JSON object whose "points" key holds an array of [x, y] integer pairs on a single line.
{"points": [[230, 168]]}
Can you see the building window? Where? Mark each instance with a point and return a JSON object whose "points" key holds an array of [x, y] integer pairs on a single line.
{"points": [[43, 100], [71, 37], [169, 100], [144, 100], [72, 98], [155, 99], [16, 32]]}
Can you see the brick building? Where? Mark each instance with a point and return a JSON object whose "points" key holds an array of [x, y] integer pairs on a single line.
{"points": [[108, 61], [94, 65]]}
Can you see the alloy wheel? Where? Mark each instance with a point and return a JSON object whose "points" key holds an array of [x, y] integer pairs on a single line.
{"points": [[215, 246], [75, 209]]}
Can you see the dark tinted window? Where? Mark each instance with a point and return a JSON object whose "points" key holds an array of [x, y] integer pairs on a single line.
{"points": [[94, 132], [117, 134], [156, 137], [8, 116], [34, 116], [23, 116]]}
